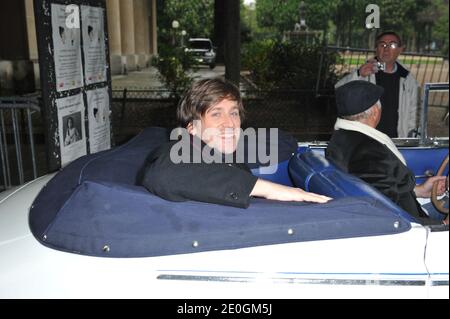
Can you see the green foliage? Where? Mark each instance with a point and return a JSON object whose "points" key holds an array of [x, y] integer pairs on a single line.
{"points": [[196, 17], [173, 64], [419, 22], [286, 65], [256, 58], [405, 17], [248, 17], [440, 32], [319, 12], [279, 15]]}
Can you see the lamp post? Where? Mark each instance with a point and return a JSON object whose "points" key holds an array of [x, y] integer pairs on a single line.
{"points": [[301, 14], [175, 26], [183, 34]]}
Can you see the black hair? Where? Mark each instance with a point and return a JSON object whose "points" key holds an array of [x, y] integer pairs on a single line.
{"points": [[388, 33]]}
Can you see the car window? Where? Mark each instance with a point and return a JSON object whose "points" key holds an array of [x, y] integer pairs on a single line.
{"points": [[436, 118], [205, 45]]}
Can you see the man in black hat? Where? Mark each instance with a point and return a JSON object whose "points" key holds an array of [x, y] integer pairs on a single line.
{"points": [[358, 148]]}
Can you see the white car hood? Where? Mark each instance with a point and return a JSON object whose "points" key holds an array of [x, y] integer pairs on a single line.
{"points": [[14, 208]]}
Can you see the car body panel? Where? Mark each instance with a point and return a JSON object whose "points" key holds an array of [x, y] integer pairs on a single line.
{"points": [[13, 221]]}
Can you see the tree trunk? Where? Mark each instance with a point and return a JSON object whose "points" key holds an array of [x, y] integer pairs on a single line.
{"points": [[232, 41]]}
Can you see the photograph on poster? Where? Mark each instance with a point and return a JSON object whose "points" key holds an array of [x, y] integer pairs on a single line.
{"points": [[100, 113], [72, 128], [98, 118], [94, 35], [94, 44], [62, 35], [72, 136]]}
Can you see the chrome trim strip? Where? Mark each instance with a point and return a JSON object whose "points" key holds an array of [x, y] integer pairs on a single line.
{"points": [[304, 281], [439, 283]]}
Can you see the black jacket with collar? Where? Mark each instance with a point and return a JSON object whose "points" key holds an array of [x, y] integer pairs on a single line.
{"points": [[219, 183], [373, 162]]}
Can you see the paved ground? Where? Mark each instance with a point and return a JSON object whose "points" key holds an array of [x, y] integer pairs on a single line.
{"points": [[147, 79], [438, 121]]}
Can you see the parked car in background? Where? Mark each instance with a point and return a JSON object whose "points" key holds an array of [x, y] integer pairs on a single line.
{"points": [[203, 51]]}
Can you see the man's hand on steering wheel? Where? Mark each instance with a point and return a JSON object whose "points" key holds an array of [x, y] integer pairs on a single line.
{"points": [[441, 204], [424, 190]]}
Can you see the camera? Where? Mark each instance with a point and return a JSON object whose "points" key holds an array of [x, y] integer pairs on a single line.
{"points": [[381, 65]]}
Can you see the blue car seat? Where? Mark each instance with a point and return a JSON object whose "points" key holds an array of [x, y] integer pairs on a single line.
{"points": [[314, 173]]}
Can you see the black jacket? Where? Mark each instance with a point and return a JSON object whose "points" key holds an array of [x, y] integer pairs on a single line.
{"points": [[218, 183], [373, 162]]}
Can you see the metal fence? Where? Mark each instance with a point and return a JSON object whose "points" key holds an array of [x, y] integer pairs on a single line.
{"points": [[15, 132], [299, 112], [133, 110], [426, 68], [426, 129], [307, 114], [22, 159]]}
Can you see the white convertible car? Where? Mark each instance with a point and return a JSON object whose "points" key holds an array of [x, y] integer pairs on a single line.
{"points": [[89, 231]]}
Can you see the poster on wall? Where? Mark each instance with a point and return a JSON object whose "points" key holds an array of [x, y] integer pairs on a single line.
{"points": [[93, 44], [72, 39], [72, 136], [98, 118], [67, 51]]}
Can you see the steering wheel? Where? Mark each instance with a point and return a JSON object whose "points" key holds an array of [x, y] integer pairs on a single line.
{"points": [[441, 203]]}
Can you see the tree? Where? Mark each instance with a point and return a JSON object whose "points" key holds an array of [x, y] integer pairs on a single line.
{"points": [[196, 17], [174, 64], [440, 32], [318, 13], [418, 22], [247, 22], [277, 15], [404, 21], [287, 65]]}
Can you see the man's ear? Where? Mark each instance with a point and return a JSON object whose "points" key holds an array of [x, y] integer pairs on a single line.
{"points": [[191, 129], [376, 114]]}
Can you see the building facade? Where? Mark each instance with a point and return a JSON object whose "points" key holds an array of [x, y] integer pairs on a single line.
{"points": [[132, 29]]}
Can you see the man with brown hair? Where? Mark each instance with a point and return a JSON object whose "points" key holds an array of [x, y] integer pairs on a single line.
{"points": [[211, 112]]}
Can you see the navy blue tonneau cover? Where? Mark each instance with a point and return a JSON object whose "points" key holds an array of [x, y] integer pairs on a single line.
{"points": [[93, 207]]}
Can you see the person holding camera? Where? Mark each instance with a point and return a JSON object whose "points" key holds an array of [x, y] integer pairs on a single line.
{"points": [[401, 98]]}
